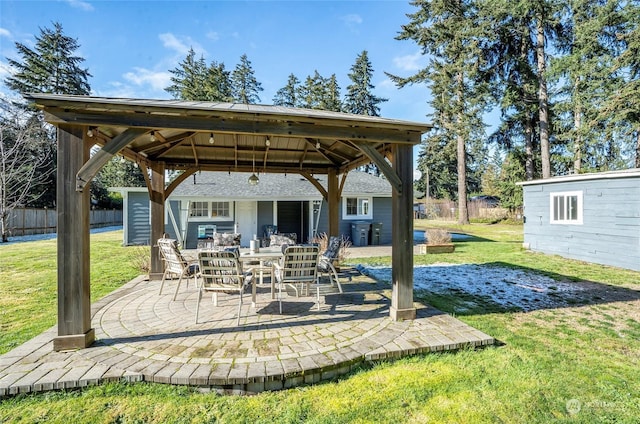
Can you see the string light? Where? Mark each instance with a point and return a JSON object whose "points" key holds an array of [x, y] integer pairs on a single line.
{"points": [[211, 139], [152, 138]]}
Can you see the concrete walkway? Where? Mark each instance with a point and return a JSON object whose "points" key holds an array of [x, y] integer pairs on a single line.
{"points": [[144, 336]]}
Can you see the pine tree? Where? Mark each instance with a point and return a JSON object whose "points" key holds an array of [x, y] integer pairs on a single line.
{"points": [[218, 83], [331, 95], [586, 76], [452, 34], [245, 86], [50, 67], [287, 95], [312, 94], [189, 79], [359, 98]]}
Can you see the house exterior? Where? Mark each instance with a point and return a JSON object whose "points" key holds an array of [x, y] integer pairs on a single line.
{"points": [[590, 217], [220, 202]]}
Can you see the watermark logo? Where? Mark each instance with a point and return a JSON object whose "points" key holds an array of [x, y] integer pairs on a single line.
{"points": [[573, 406]]}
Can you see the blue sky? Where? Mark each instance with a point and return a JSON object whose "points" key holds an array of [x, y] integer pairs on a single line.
{"points": [[130, 46]]}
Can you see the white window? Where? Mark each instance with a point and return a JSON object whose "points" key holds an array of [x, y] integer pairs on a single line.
{"points": [[357, 208], [566, 207], [211, 211], [220, 210], [199, 209]]}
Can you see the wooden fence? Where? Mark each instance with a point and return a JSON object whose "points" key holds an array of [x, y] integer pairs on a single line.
{"points": [[448, 210], [28, 221]]}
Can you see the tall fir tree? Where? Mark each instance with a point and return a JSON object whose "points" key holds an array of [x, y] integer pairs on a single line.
{"points": [[218, 83], [585, 75], [245, 86], [287, 95], [189, 78], [360, 98], [451, 33], [331, 95], [311, 94], [51, 67]]}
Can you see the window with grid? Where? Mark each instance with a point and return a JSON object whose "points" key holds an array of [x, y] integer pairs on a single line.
{"points": [[199, 209], [220, 210], [566, 208]]}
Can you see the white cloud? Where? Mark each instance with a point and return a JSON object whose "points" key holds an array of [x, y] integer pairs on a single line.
{"points": [[351, 19], [146, 77], [5, 33], [212, 35], [79, 4], [410, 62], [180, 45]]}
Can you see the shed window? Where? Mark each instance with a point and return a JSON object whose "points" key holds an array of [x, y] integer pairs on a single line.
{"points": [[210, 211], [220, 210], [566, 208], [199, 209], [356, 208]]}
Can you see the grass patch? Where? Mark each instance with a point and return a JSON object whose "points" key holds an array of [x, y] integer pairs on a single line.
{"points": [[575, 364], [28, 282]]}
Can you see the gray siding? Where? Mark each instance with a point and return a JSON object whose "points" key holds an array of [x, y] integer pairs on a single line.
{"points": [[137, 219], [610, 232]]}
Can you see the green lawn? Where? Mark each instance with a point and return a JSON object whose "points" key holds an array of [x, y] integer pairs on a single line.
{"points": [[578, 364]]}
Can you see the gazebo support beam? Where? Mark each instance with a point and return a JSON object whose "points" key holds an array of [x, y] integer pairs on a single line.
{"points": [[74, 288], [333, 203], [156, 197], [402, 306]]}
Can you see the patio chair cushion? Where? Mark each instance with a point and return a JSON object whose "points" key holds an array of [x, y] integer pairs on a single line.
{"points": [[226, 239], [280, 239]]}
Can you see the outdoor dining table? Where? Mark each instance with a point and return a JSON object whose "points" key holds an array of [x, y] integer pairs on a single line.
{"points": [[261, 256]]}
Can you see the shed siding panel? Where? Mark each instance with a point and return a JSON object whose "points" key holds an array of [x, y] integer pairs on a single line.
{"points": [[610, 233], [138, 226]]}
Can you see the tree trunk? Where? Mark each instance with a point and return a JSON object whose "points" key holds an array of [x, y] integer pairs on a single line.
{"points": [[577, 127], [529, 164], [543, 99], [463, 213]]}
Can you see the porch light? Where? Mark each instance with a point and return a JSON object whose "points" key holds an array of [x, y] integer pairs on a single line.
{"points": [[253, 179]]}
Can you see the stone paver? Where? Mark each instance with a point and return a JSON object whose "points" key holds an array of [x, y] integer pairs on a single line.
{"points": [[144, 336]]}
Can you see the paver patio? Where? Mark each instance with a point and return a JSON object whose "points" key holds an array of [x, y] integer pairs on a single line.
{"points": [[143, 336]]}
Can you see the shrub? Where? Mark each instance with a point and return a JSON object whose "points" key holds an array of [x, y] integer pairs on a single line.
{"points": [[437, 236]]}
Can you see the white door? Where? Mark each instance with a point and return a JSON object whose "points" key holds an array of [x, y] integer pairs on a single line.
{"points": [[247, 221]]}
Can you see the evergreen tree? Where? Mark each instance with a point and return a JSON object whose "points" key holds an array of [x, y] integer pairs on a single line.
{"points": [[331, 95], [622, 104], [586, 77], [245, 86], [359, 98], [50, 67], [287, 95], [511, 172], [189, 80], [513, 75], [311, 94], [218, 83], [452, 34]]}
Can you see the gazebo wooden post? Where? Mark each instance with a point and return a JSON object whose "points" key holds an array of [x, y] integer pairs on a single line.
{"points": [[402, 226], [74, 288], [333, 202], [156, 196]]}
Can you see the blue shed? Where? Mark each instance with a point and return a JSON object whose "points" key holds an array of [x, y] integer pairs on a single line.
{"points": [[590, 217]]}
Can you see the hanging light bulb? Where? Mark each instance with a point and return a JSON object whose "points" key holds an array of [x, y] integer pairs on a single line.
{"points": [[253, 179], [122, 159], [267, 142], [211, 139], [317, 145], [90, 132], [152, 137]]}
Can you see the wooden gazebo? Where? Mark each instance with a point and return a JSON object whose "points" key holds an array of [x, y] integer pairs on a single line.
{"points": [[163, 135]]}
